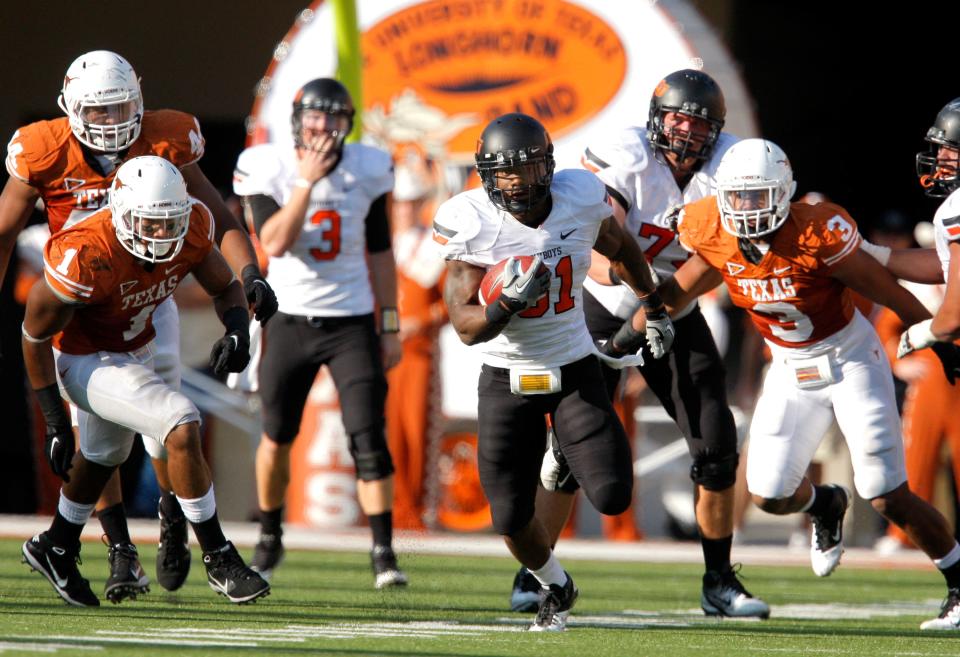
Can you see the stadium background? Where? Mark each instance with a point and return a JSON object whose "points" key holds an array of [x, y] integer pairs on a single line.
{"points": [[847, 91]]}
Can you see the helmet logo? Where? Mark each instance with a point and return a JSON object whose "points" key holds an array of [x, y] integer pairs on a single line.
{"points": [[662, 88]]}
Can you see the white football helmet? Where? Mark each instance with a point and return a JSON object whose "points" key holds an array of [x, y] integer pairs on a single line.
{"points": [[151, 208], [754, 188], [101, 97]]}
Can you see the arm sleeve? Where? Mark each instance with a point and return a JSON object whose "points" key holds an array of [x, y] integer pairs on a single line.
{"points": [[257, 208], [378, 226]]}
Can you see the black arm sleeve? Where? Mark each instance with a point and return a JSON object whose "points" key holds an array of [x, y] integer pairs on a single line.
{"points": [[378, 226], [257, 209]]}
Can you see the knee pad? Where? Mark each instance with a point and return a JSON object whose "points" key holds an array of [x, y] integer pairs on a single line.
{"points": [[713, 472], [611, 499], [109, 455], [373, 466]]}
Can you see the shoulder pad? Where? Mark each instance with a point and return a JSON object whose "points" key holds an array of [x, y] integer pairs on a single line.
{"points": [[373, 168], [35, 148], [77, 264], [259, 170], [202, 226], [459, 221], [627, 150], [173, 135]]}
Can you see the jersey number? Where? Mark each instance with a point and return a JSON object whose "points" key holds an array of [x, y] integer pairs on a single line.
{"points": [[790, 325], [68, 257], [662, 238], [329, 220], [564, 272], [138, 322]]}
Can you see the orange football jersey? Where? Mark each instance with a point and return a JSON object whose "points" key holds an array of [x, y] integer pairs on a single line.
{"points": [[115, 292], [790, 295], [46, 156]]}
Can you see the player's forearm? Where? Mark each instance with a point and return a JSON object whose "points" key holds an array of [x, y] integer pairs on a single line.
{"points": [[231, 297], [383, 278], [281, 231], [472, 326], [916, 265], [39, 363]]}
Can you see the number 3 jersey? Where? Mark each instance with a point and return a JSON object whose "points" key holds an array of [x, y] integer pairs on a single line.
{"points": [[554, 332], [72, 181], [325, 272], [114, 292], [649, 194], [790, 294]]}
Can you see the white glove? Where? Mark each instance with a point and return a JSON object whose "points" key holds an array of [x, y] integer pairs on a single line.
{"points": [[524, 287], [918, 336], [660, 333]]}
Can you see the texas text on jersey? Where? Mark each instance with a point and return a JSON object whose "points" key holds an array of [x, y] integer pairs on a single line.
{"points": [[789, 294], [86, 265], [72, 181], [472, 230], [318, 275]]}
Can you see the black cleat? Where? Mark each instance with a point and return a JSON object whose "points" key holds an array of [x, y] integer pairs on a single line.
{"points": [[826, 540], [228, 576], [386, 572], [555, 605], [724, 595], [267, 555], [949, 618], [127, 578], [59, 566], [525, 596], [173, 554]]}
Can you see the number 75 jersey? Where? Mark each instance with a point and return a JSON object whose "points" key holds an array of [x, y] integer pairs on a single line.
{"points": [[324, 273], [791, 296]]}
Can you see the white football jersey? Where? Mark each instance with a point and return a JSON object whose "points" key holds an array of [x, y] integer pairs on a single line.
{"points": [[475, 231], [650, 195], [946, 224], [325, 272]]}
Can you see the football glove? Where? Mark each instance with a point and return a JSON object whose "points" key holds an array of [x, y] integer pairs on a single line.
{"points": [[522, 289], [949, 355], [660, 332], [231, 353], [259, 294], [918, 336], [59, 444], [555, 473]]}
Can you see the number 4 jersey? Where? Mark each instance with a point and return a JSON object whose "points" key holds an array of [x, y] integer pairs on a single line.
{"points": [[115, 293], [790, 295], [325, 272], [470, 228]]}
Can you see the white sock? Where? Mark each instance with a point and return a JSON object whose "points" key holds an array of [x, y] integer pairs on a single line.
{"points": [[78, 514], [950, 558], [200, 508], [550, 573]]}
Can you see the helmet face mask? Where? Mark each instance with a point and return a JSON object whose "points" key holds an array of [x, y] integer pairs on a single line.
{"points": [[515, 163], [938, 167], [151, 208], [321, 106], [101, 98], [754, 187], [694, 96]]}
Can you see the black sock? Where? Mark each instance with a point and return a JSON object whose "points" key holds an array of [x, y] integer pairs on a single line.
{"points": [[952, 575], [382, 527], [716, 553], [823, 500], [209, 534], [113, 519], [170, 506], [64, 533], [271, 522]]}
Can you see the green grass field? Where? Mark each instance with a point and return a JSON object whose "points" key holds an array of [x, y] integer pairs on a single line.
{"points": [[323, 603]]}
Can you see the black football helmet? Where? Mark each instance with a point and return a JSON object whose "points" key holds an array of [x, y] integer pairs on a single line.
{"points": [[939, 180], [520, 144], [324, 95], [689, 92]]}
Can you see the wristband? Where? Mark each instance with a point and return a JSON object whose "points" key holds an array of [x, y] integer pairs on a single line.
{"points": [[497, 313], [236, 319], [29, 338], [303, 182], [652, 301], [250, 271], [389, 320], [51, 405]]}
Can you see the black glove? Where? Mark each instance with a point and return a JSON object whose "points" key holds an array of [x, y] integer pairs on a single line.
{"points": [[231, 353], [949, 355], [259, 294], [59, 445]]}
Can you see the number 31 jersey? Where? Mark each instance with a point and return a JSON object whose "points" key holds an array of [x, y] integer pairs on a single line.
{"points": [[554, 332], [790, 295], [325, 272]]}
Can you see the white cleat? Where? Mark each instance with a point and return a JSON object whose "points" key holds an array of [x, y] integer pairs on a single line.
{"points": [[555, 605], [826, 539], [949, 618], [724, 595]]}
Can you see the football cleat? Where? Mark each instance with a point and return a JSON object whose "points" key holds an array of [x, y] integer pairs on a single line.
{"points": [[724, 595], [127, 578], [59, 566], [525, 596], [173, 554], [555, 604], [949, 618], [267, 555], [826, 539], [386, 572], [230, 577]]}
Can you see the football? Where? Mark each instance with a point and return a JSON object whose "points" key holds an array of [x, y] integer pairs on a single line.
{"points": [[492, 284]]}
